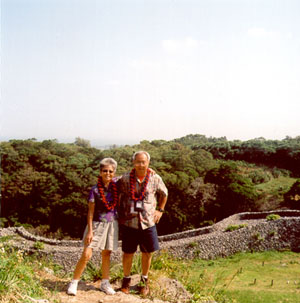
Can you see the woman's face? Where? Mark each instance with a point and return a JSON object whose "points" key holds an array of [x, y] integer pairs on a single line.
{"points": [[107, 173]]}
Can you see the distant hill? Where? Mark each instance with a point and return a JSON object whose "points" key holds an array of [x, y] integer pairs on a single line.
{"points": [[45, 184]]}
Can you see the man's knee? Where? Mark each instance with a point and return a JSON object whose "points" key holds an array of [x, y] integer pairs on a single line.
{"points": [[127, 256], [147, 255]]}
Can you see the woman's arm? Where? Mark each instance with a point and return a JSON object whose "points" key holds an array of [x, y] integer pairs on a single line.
{"points": [[89, 236]]}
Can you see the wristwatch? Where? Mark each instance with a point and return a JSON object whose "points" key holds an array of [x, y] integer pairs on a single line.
{"points": [[161, 210]]}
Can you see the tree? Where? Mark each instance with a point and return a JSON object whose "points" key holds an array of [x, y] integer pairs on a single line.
{"points": [[47, 183], [292, 197], [82, 142], [235, 192]]}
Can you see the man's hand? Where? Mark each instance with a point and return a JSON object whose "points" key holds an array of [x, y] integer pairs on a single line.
{"points": [[157, 216]]}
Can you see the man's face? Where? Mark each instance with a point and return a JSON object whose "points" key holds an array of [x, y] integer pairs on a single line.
{"points": [[141, 163]]}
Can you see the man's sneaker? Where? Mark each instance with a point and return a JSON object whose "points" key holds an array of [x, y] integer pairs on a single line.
{"points": [[144, 287], [106, 287], [126, 285], [72, 288]]}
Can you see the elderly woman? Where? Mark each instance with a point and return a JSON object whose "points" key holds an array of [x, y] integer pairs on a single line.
{"points": [[102, 225]]}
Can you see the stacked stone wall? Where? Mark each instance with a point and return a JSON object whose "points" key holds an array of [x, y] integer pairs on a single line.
{"points": [[257, 234]]}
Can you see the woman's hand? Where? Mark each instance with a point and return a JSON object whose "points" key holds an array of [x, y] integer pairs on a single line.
{"points": [[88, 238], [152, 171]]}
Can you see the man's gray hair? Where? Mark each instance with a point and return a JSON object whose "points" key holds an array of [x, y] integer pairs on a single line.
{"points": [[108, 161], [141, 152]]}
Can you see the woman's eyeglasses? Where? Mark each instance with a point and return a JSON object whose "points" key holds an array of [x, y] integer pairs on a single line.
{"points": [[107, 171]]}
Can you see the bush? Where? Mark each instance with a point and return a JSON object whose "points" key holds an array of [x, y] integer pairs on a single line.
{"points": [[235, 227], [38, 245], [273, 217]]}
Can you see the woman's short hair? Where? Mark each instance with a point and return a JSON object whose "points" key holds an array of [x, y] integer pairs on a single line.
{"points": [[139, 153], [108, 161]]}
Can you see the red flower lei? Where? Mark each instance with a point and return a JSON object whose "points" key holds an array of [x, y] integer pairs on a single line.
{"points": [[100, 185], [133, 194]]}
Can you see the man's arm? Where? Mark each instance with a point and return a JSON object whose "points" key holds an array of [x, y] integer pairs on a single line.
{"points": [[160, 207]]}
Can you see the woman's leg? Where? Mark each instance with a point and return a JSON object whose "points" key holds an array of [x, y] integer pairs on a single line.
{"points": [[85, 257]]}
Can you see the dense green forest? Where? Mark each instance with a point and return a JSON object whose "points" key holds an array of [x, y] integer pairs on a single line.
{"points": [[44, 185]]}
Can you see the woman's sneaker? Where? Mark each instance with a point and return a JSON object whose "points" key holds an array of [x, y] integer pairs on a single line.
{"points": [[106, 287], [72, 289]]}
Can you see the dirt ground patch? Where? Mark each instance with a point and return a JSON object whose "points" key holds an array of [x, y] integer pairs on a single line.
{"points": [[166, 289]]}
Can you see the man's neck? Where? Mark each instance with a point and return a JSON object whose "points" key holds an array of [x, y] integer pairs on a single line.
{"points": [[140, 174]]}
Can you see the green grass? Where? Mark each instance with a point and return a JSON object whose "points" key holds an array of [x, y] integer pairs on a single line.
{"points": [[235, 227], [276, 186], [243, 278], [93, 272], [273, 217], [272, 192], [19, 278]]}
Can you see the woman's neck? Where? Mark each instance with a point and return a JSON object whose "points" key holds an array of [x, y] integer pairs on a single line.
{"points": [[106, 183]]}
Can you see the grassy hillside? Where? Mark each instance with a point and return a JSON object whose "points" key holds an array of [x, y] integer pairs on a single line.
{"points": [[242, 278], [247, 278], [273, 191]]}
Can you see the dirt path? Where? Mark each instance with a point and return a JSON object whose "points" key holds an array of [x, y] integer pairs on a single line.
{"points": [[90, 293]]}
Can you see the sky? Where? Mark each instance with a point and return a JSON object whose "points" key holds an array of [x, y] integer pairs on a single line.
{"points": [[123, 71]]}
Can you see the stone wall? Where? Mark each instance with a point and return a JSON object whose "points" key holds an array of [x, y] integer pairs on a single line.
{"points": [[258, 234]]}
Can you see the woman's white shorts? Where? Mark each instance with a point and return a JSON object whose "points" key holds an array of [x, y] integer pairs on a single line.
{"points": [[105, 235]]}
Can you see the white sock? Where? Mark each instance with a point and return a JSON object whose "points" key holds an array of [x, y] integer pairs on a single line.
{"points": [[75, 281], [104, 281], [145, 277]]}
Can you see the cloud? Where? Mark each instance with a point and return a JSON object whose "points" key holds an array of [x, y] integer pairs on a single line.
{"points": [[180, 46], [159, 67], [260, 32], [144, 64], [112, 82]]}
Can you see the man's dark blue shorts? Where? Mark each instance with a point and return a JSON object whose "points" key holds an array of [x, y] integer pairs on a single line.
{"points": [[146, 238]]}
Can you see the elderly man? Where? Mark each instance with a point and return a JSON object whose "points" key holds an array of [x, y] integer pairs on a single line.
{"points": [[143, 196]]}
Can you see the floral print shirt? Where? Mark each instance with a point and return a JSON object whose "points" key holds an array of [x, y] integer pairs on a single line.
{"points": [[144, 218], [101, 214]]}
